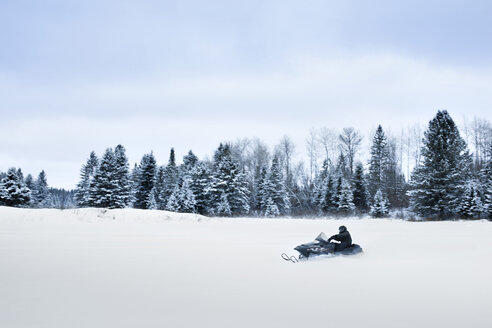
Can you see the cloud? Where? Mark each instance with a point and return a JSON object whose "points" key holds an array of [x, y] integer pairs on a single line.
{"points": [[63, 123]]}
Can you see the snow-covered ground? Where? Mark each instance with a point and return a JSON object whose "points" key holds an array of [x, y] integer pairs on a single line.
{"points": [[132, 268]]}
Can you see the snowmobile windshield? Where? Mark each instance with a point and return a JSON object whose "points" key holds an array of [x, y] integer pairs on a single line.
{"points": [[321, 237]]}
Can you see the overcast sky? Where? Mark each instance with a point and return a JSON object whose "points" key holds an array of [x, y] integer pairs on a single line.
{"points": [[77, 76]]}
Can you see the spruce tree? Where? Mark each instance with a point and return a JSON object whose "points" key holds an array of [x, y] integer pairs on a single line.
{"points": [[189, 161], [158, 190], [223, 208], [379, 207], [378, 163], [121, 175], [229, 182], [329, 204], [261, 191], [471, 204], [13, 191], [171, 177], [87, 172], [488, 202], [486, 185], [278, 191], [271, 209], [104, 186], [182, 199], [42, 191], [360, 192], [145, 179], [437, 183], [199, 184], [345, 201]]}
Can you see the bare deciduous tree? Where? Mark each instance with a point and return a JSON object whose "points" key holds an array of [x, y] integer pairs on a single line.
{"points": [[350, 141]]}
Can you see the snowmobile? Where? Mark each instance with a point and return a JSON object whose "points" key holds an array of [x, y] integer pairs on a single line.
{"points": [[320, 246]]}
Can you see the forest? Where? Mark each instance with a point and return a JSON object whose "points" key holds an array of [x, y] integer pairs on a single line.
{"points": [[439, 173]]}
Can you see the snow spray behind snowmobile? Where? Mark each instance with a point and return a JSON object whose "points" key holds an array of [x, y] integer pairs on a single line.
{"points": [[321, 246]]}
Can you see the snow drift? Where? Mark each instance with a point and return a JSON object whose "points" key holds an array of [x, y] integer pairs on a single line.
{"points": [[134, 268]]}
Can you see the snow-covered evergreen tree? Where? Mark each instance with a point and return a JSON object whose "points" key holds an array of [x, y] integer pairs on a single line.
{"points": [[261, 191], [171, 178], [329, 204], [488, 203], [87, 172], [271, 209], [189, 161], [346, 199], [471, 203], [437, 184], [378, 162], [486, 185], [182, 199], [319, 187], [172, 202], [29, 182], [121, 173], [145, 179], [199, 184], [229, 182], [223, 208], [158, 190], [13, 191], [380, 205], [104, 186], [42, 195], [276, 188], [360, 191]]}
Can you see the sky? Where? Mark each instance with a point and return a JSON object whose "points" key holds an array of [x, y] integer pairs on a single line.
{"points": [[77, 76]]}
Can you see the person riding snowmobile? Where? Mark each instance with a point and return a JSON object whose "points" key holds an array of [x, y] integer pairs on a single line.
{"points": [[343, 237]]}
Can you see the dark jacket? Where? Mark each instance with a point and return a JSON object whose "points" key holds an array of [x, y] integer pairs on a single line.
{"points": [[344, 238]]}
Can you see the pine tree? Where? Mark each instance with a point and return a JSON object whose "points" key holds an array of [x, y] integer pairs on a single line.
{"points": [[42, 193], [229, 182], [172, 202], [261, 191], [121, 175], [13, 191], [271, 209], [182, 199], [378, 163], [345, 202], [277, 189], [189, 161], [329, 204], [379, 207], [82, 192], [145, 182], [438, 182], [360, 192], [223, 208], [486, 185], [171, 177], [158, 190], [199, 184], [488, 202], [29, 182], [471, 204], [319, 187], [104, 186]]}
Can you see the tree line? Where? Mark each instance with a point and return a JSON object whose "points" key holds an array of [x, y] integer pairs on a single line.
{"points": [[19, 191], [246, 179]]}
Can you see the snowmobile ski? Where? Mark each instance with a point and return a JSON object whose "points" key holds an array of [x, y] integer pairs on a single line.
{"points": [[292, 258]]}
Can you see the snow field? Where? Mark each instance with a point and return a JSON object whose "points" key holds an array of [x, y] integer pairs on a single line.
{"points": [[133, 268]]}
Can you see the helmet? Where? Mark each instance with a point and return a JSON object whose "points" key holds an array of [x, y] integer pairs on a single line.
{"points": [[342, 229]]}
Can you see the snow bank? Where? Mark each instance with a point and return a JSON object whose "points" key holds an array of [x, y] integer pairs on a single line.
{"points": [[134, 268]]}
